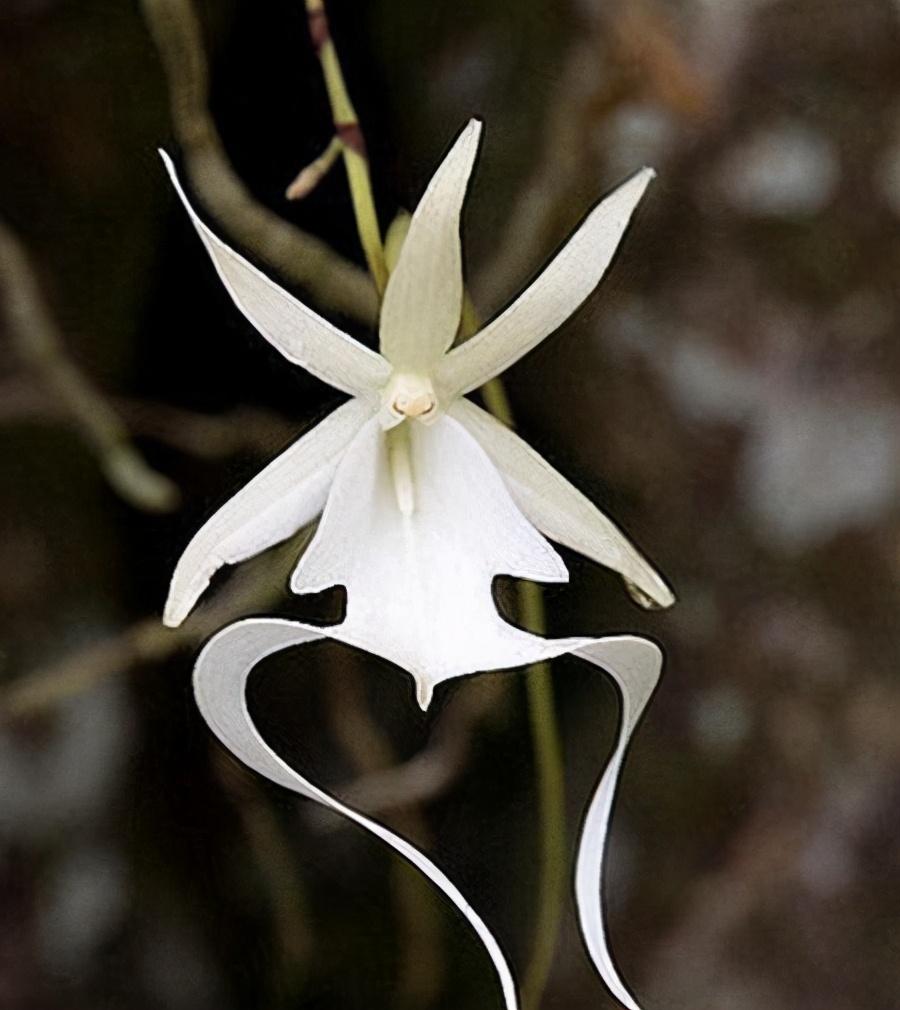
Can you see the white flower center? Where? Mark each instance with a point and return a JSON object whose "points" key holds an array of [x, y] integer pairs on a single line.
{"points": [[410, 396], [414, 406]]}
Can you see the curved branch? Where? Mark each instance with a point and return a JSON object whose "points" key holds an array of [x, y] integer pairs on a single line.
{"points": [[37, 339], [300, 258]]}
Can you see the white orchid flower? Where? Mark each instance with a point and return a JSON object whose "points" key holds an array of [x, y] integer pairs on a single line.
{"points": [[424, 497]]}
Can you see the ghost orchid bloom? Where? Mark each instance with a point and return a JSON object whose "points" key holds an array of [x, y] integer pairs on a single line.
{"points": [[424, 497]]}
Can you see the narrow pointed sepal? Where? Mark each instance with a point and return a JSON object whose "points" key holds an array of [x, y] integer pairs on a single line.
{"points": [[559, 510], [423, 300], [550, 299], [289, 493], [424, 694], [301, 335]]}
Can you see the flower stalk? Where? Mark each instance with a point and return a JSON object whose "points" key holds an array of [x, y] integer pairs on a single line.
{"points": [[348, 132]]}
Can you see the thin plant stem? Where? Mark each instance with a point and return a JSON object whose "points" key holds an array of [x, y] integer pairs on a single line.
{"points": [[277, 871], [551, 797], [347, 130]]}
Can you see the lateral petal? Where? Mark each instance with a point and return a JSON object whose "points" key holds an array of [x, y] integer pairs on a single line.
{"points": [[301, 335], [419, 561], [550, 299], [423, 300], [558, 509], [290, 492]]}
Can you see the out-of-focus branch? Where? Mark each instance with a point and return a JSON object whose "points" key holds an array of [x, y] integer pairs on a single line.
{"points": [[277, 869], [432, 771], [205, 436], [370, 752], [209, 436], [544, 193], [146, 641], [632, 55], [300, 258], [39, 344], [651, 61]]}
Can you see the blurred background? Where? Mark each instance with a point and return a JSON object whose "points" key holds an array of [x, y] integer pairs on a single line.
{"points": [[731, 396]]}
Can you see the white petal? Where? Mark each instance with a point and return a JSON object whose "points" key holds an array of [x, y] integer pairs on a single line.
{"points": [[423, 300], [635, 665], [560, 510], [288, 494], [302, 336], [220, 677], [550, 299], [418, 546]]}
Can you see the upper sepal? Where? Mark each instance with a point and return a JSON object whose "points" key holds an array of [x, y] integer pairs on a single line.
{"points": [[423, 300]]}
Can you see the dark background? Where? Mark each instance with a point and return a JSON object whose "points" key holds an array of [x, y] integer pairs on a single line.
{"points": [[732, 396]]}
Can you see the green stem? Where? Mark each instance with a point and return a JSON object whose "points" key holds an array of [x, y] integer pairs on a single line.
{"points": [[346, 126], [551, 795]]}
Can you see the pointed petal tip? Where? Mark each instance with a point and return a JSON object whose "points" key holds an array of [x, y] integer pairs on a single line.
{"points": [[469, 139], [421, 309], [167, 161], [424, 694], [172, 173], [172, 616], [660, 599], [470, 135], [180, 601], [639, 181], [187, 586]]}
